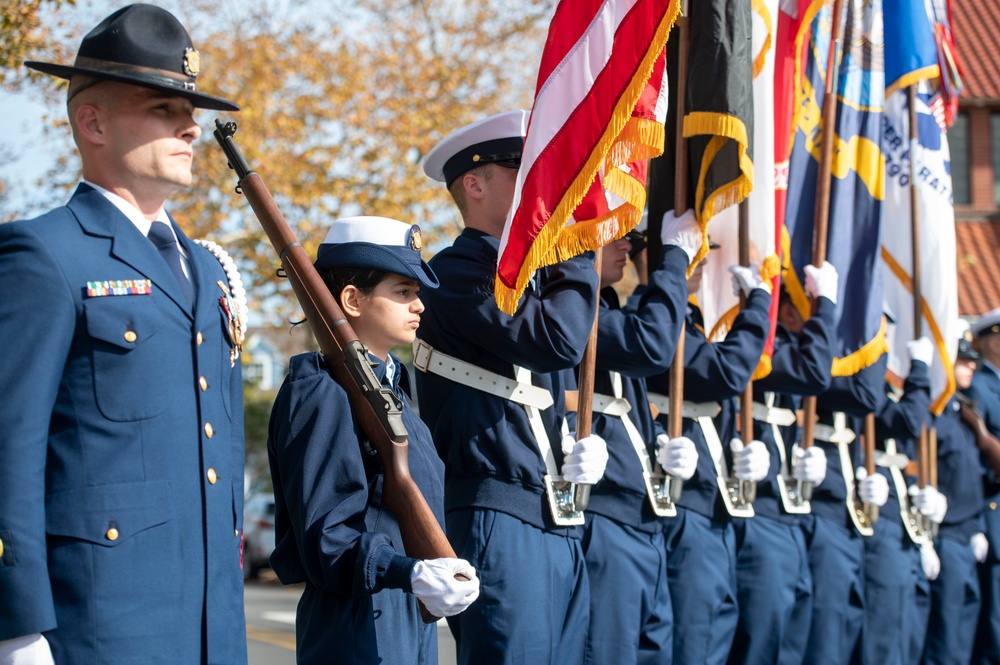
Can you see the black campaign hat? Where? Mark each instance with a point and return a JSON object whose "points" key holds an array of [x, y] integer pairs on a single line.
{"points": [[141, 45]]}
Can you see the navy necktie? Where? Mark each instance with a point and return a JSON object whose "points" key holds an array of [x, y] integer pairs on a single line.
{"points": [[162, 237]]}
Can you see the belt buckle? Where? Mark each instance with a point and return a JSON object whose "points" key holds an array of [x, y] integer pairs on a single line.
{"points": [[562, 505], [422, 349], [663, 493]]}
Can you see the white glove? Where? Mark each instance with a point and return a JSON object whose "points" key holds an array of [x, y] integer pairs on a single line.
{"points": [[585, 460], [746, 280], [809, 465], [26, 650], [822, 282], [930, 502], [980, 546], [434, 583], [683, 232], [929, 561], [921, 349], [678, 457], [873, 489], [750, 462]]}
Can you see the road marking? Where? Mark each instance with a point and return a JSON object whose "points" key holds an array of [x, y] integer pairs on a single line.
{"points": [[274, 637], [279, 617]]}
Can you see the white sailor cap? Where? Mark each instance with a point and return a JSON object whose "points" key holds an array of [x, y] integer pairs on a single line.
{"points": [[497, 139], [987, 324], [375, 242]]}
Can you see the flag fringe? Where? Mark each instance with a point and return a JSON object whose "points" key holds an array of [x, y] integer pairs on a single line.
{"points": [[866, 356], [542, 246], [948, 366], [928, 73], [763, 368], [790, 278], [759, 7]]}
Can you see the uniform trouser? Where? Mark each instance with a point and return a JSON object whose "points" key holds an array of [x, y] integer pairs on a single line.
{"points": [[955, 603], [988, 637], [774, 590], [631, 620], [890, 596], [921, 614], [836, 560], [534, 600], [382, 629], [701, 573]]}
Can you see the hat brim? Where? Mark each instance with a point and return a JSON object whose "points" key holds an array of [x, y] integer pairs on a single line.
{"points": [[200, 100], [397, 260]]}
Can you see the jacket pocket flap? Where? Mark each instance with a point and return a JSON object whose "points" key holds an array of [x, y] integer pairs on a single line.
{"points": [[110, 514], [124, 321]]}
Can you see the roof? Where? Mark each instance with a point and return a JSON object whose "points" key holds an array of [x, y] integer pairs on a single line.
{"points": [[976, 26], [978, 266]]}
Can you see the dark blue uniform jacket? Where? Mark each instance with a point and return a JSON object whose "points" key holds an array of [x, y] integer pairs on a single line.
{"points": [[491, 456]]}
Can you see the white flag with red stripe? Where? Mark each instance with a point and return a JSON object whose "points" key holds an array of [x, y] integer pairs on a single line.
{"points": [[600, 104]]}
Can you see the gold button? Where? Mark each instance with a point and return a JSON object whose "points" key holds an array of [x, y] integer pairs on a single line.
{"points": [[198, 338], [112, 534], [236, 534], [211, 476], [1, 549], [130, 336], [993, 505], [203, 383], [208, 430]]}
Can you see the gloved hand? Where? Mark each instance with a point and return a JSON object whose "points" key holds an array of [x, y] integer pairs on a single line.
{"points": [[929, 501], [921, 350], [26, 650], [678, 457], [433, 581], [683, 232], [809, 465], [873, 489], [929, 561], [746, 280], [980, 546], [585, 460], [750, 462], [822, 282]]}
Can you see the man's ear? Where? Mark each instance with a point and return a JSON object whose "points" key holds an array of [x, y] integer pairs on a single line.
{"points": [[90, 124], [350, 301], [473, 186]]}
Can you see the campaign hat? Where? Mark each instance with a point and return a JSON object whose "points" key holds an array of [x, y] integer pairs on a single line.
{"points": [[497, 139], [379, 243], [141, 45]]}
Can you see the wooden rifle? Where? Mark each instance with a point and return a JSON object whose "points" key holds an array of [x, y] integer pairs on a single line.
{"points": [[377, 410]]}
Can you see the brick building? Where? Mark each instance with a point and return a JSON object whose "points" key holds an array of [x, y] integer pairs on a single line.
{"points": [[975, 156]]}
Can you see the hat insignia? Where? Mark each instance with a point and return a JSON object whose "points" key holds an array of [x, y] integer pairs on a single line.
{"points": [[192, 62], [416, 242]]}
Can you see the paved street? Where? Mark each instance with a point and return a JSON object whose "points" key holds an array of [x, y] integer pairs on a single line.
{"points": [[270, 611]]}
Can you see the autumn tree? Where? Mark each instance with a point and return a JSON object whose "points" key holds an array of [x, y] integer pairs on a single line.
{"points": [[340, 102]]}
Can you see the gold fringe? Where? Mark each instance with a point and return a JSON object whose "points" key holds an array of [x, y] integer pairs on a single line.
{"points": [[760, 8], [791, 279], [763, 368], [941, 401], [771, 268], [541, 251], [725, 322], [912, 78], [863, 357]]}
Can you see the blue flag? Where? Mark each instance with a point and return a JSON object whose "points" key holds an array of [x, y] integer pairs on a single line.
{"points": [[857, 184]]}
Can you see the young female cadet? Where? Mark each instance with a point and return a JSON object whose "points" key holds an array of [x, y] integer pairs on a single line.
{"points": [[332, 530]]}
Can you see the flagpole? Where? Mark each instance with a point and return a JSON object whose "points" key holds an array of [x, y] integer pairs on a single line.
{"points": [[747, 489], [675, 427], [829, 118], [871, 509], [585, 385]]}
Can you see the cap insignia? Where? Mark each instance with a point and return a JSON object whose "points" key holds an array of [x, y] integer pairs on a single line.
{"points": [[416, 242], [192, 62]]}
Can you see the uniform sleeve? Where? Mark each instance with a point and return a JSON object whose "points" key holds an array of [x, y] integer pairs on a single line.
{"points": [[859, 394], [906, 418], [37, 324], [986, 400], [720, 370], [803, 367], [640, 342], [549, 330], [322, 494]]}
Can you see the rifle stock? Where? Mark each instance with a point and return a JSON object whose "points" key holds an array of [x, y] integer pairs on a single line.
{"points": [[376, 408]]}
